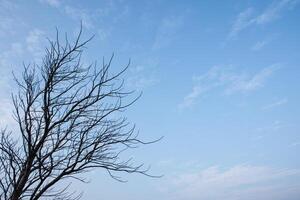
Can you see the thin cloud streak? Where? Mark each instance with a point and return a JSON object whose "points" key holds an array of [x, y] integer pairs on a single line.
{"points": [[275, 104], [261, 44], [247, 18], [229, 81]]}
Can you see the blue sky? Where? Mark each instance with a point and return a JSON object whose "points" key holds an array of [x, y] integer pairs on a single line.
{"points": [[220, 82]]}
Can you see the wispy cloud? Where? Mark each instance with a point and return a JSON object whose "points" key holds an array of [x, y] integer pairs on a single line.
{"points": [[6, 25], [6, 115], [166, 32], [228, 80], [271, 128], [80, 15], [243, 20], [53, 3], [262, 43], [240, 182], [34, 41], [244, 83], [294, 144], [191, 98], [259, 45], [8, 18], [32, 46], [16, 49], [275, 104], [142, 76], [274, 11], [7, 64], [91, 18], [247, 17]]}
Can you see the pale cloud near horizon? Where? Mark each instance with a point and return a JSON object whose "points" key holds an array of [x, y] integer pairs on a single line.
{"points": [[247, 17], [228, 80], [240, 182]]}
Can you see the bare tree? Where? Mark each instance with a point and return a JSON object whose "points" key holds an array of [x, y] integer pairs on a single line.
{"points": [[69, 123]]}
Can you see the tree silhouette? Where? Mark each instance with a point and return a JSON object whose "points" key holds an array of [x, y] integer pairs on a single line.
{"points": [[70, 122]]}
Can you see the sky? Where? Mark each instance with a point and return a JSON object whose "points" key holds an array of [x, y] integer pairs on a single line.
{"points": [[220, 82]]}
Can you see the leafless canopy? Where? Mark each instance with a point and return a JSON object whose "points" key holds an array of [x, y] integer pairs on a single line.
{"points": [[68, 123]]}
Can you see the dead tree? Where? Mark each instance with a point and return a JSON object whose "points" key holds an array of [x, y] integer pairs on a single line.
{"points": [[70, 121]]}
